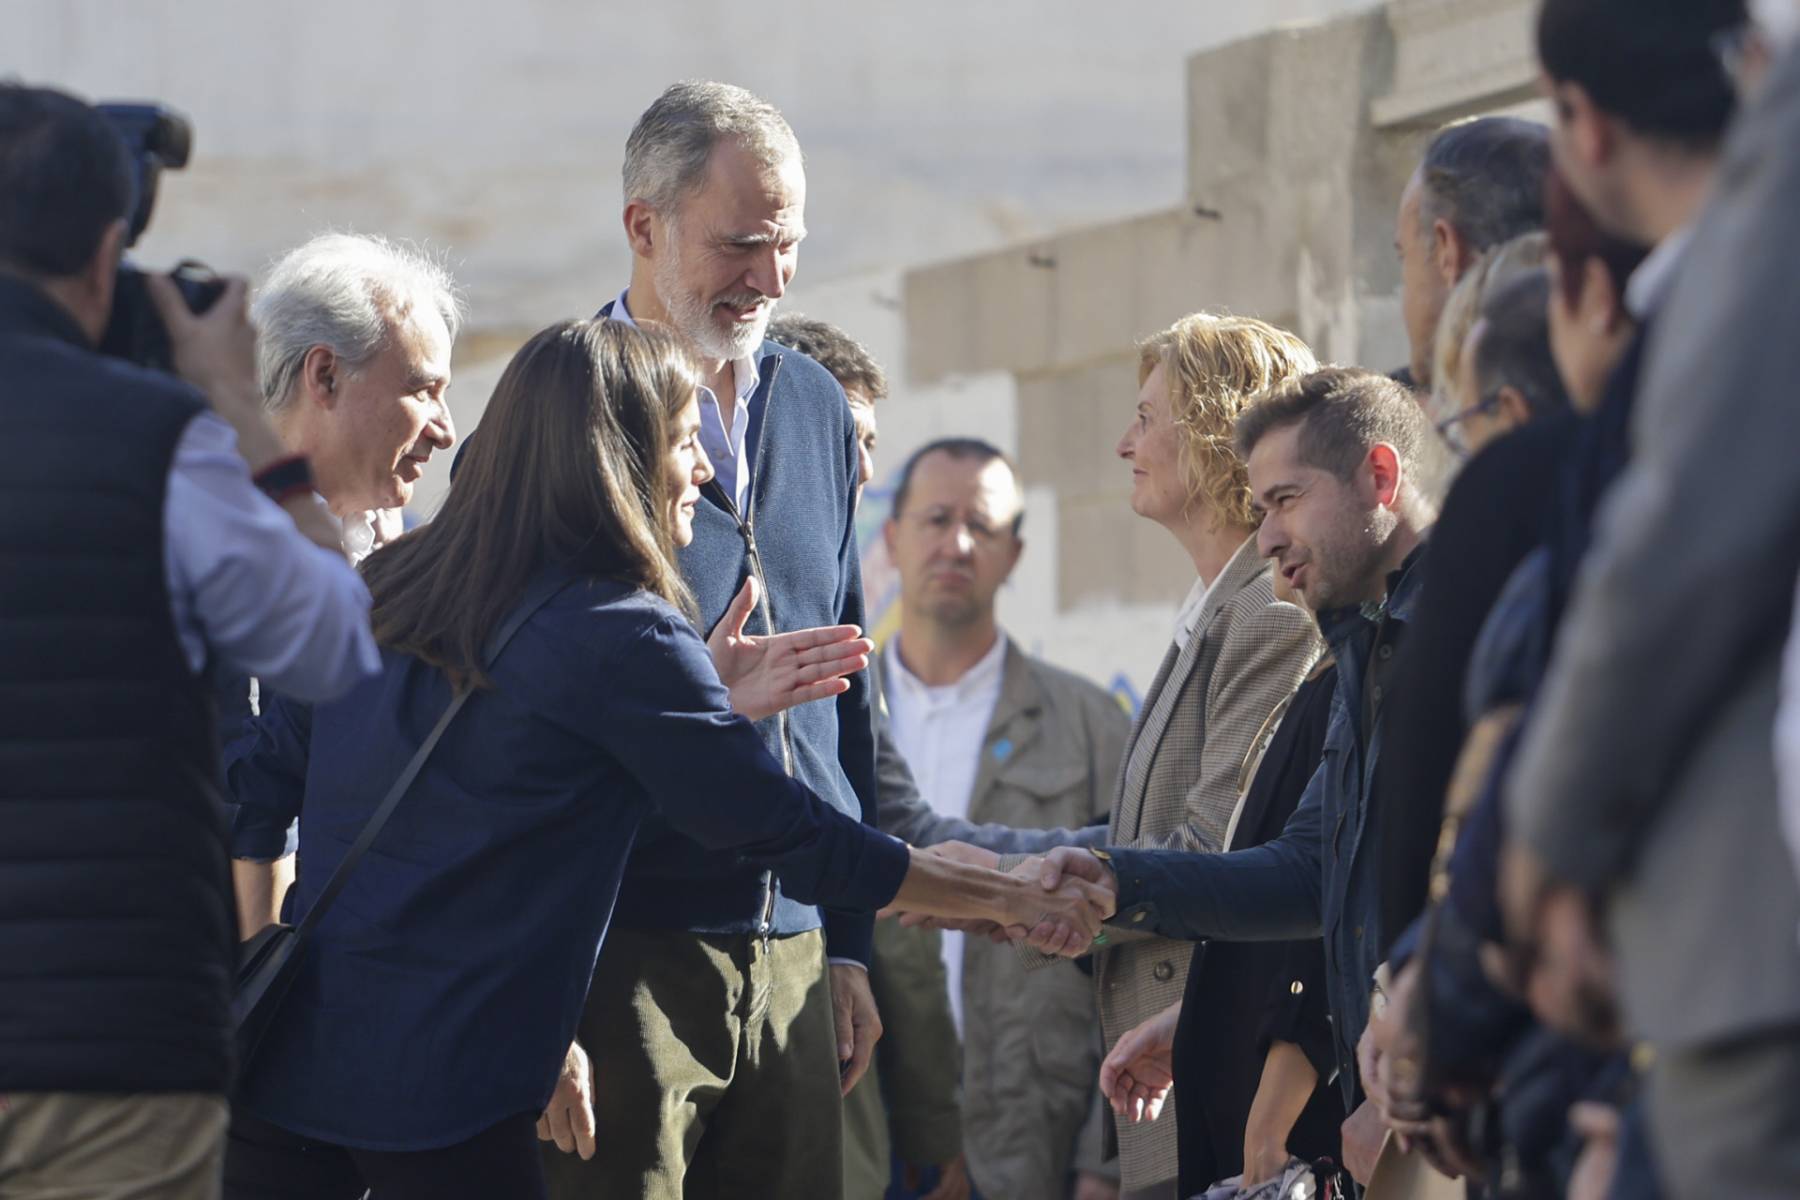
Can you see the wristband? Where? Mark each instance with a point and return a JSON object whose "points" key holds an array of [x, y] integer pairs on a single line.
{"points": [[285, 478]]}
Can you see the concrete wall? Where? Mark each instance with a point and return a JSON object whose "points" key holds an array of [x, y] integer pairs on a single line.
{"points": [[1299, 142], [1079, 175], [494, 131]]}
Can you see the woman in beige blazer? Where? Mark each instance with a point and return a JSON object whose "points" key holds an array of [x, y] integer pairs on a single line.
{"points": [[1237, 652]]}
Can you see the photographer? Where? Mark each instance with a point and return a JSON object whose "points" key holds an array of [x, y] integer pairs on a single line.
{"points": [[137, 552]]}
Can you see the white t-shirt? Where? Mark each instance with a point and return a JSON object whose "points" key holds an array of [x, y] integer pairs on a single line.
{"points": [[939, 731]]}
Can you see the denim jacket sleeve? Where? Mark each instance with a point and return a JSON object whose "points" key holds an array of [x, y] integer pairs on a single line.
{"points": [[709, 774], [1267, 893], [265, 768]]}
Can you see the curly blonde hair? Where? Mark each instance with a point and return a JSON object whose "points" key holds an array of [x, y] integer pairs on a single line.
{"points": [[1217, 365]]}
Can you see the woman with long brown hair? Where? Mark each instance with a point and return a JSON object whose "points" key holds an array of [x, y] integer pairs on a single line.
{"points": [[422, 1035]]}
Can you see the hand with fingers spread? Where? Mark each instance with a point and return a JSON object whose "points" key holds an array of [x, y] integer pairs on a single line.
{"points": [[1136, 1076], [770, 673], [569, 1119]]}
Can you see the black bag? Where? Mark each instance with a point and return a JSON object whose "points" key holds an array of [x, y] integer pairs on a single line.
{"points": [[268, 962]]}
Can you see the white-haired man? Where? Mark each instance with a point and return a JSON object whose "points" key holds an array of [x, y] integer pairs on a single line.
{"points": [[354, 360], [723, 1040], [353, 357]]}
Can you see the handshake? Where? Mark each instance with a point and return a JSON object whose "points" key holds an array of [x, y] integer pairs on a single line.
{"points": [[1055, 903]]}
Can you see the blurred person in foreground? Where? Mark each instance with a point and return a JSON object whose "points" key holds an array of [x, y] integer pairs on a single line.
{"points": [[1659, 817], [907, 1106], [1642, 159], [1638, 156], [1452, 1030], [1493, 515], [138, 552], [1479, 183], [385, 1069]]}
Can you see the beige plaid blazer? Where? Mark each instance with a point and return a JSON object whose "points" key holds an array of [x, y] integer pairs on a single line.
{"points": [[1179, 788]]}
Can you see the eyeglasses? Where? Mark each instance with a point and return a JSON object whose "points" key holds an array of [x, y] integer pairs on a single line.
{"points": [[1451, 427]]}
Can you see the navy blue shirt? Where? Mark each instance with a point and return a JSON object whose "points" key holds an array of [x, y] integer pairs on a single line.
{"points": [[447, 980]]}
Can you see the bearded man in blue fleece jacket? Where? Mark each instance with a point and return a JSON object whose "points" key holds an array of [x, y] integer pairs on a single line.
{"points": [[725, 1018]]}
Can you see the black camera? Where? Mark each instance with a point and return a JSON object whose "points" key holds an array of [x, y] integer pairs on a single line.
{"points": [[158, 139]]}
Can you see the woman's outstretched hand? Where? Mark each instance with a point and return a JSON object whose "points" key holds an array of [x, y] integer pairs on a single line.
{"points": [[769, 673]]}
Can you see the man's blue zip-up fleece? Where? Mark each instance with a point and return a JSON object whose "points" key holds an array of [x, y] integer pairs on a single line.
{"points": [[801, 515]]}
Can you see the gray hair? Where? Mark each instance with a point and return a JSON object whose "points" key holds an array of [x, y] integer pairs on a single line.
{"points": [[1492, 270], [1486, 178], [667, 152], [1515, 349], [341, 291]]}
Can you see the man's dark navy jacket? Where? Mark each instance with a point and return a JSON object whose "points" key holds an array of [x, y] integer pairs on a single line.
{"points": [[801, 451], [1321, 876]]}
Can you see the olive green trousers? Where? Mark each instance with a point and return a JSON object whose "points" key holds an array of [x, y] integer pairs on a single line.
{"points": [[715, 1071]]}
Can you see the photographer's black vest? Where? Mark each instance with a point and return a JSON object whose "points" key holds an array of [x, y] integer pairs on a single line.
{"points": [[117, 930]]}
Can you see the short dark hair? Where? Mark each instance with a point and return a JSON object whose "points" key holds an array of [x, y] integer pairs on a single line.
{"points": [[65, 175], [1514, 350], [1342, 413], [847, 359], [965, 448], [1651, 63], [1486, 178]]}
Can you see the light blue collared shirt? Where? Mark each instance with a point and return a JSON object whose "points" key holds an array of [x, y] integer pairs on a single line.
{"points": [[725, 447], [247, 585]]}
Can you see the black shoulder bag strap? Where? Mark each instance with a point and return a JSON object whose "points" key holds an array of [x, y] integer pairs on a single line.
{"points": [[267, 962], [534, 599]]}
